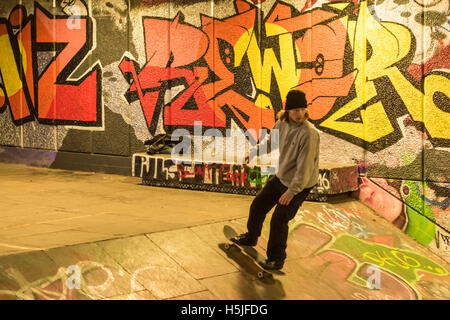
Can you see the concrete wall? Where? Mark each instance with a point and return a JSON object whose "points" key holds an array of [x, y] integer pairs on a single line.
{"points": [[86, 82]]}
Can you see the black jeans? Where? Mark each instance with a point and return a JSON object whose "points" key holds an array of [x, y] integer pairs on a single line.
{"points": [[264, 201]]}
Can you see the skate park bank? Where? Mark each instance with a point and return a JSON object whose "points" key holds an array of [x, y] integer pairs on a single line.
{"points": [[79, 235]]}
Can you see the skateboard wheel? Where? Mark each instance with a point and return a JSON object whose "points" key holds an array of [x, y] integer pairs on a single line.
{"points": [[260, 275], [227, 246]]}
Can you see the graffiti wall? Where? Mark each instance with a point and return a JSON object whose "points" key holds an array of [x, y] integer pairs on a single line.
{"points": [[86, 77]]}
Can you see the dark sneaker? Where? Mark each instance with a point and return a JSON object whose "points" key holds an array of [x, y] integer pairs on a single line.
{"points": [[272, 264], [244, 240]]}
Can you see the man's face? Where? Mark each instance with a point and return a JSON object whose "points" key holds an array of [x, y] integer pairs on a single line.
{"points": [[297, 115]]}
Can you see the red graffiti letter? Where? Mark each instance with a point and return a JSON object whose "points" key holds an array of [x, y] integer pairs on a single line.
{"points": [[59, 100]]}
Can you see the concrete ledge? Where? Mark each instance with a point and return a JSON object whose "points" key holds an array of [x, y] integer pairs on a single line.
{"points": [[163, 171]]}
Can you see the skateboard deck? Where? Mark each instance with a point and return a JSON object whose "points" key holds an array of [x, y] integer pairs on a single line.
{"points": [[245, 256]]}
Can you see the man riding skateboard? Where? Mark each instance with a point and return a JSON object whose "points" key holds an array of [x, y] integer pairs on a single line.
{"points": [[298, 172]]}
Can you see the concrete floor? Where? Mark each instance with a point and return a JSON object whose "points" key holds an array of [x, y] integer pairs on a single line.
{"points": [[131, 241]]}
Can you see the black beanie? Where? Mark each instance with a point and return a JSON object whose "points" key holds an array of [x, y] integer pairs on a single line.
{"points": [[295, 99]]}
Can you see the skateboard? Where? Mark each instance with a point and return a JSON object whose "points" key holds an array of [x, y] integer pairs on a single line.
{"points": [[245, 256]]}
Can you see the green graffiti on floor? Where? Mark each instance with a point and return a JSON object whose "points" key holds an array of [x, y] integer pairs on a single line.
{"points": [[403, 263]]}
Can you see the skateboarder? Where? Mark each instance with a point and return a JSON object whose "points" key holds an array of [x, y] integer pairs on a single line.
{"points": [[297, 173]]}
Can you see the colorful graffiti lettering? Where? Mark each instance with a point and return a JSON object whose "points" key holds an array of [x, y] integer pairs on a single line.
{"points": [[46, 91], [223, 173], [381, 78], [345, 257], [346, 261], [402, 263], [243, 70]]}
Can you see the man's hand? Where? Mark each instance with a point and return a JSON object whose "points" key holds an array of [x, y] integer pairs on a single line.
{"points": [[286, 198]]}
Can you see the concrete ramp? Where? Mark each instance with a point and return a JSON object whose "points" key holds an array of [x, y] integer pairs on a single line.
{"points": [[335, 251]]}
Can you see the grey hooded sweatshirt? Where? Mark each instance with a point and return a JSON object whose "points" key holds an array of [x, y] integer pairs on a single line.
{"points": [[298, 165]]}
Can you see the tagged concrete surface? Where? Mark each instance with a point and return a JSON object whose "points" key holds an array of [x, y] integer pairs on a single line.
{"points": [[335, 250]]}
